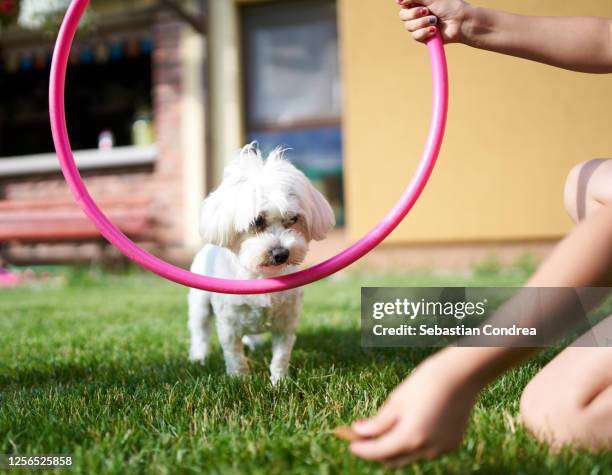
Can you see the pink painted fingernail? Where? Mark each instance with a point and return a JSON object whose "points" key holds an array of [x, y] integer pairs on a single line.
{"points": [[432, 29], [423, 11]]}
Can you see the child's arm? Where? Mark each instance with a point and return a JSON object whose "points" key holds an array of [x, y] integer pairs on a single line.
{"points": [[427, 414], [576, 43]]}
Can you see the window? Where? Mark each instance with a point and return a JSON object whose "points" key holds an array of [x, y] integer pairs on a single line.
{"points": [[292, 88], [108, 88]]}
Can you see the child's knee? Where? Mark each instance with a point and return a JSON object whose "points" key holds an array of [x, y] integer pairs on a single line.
{"points": [[587, 187], [534, 406], [570, 192], [548, 411], [555, 415]]}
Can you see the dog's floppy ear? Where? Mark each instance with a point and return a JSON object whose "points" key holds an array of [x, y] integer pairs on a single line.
{"points": [[216, 220], [232, 207], [321, 219]]}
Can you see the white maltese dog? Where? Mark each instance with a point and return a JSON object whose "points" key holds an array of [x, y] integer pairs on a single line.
{"points": [[258, 223]]}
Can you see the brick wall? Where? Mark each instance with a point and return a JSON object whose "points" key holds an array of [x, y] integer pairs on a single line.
{"points": [[167, 106], [162, 183]]}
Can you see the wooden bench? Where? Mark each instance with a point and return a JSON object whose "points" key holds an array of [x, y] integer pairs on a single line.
{"points": [[63, 221]]}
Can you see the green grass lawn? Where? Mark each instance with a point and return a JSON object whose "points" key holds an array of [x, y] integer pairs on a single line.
{"points": [[98, 368]]}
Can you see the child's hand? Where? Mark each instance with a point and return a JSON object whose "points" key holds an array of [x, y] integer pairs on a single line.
{"points": [[423, 19], [424, 417]]}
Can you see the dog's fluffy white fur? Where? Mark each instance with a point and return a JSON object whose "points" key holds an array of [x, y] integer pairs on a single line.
{"points": [[258, 223]]}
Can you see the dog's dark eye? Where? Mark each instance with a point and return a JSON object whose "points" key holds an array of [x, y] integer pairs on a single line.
{"points": [[260, 223], [292, 221]]}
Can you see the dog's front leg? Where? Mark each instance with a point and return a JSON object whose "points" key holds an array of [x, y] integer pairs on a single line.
{"points": [[199, 324], [282, 346], [236, 362]]}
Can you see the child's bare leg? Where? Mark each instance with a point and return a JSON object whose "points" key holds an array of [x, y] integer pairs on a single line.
{"points": [[570, 400], [587, 188], [444, 387], [584, 257]]}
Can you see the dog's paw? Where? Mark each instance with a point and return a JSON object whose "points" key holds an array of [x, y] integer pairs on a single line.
{"points": [[276, 378], [198, 355], [238, 366], [237, 373]]}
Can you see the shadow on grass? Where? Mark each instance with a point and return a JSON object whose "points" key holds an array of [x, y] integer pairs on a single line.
{"points": [[322, 349], [343, 348]]}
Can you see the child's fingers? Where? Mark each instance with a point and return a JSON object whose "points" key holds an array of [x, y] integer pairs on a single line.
{"points": [[389, 446], [378, 424], [421, 23], [407, 14], [418, 20], [424, 33]]}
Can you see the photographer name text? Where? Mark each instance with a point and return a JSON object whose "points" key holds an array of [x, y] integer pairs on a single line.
{"points": [[409, 309]]}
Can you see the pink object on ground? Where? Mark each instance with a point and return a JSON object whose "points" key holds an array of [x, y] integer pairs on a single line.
{"points": [[181, 276], [9, 279]]}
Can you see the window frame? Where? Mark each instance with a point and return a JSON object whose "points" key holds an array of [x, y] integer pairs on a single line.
{"points": [[263, 126]]}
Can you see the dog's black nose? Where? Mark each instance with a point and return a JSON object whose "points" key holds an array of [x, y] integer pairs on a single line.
{"points": [[279, 255]]}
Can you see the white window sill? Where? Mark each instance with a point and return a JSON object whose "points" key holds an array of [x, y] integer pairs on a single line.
{"points": [[118, 157]]}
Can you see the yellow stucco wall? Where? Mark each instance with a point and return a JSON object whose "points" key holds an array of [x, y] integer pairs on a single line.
{"points": [[515, 128]]}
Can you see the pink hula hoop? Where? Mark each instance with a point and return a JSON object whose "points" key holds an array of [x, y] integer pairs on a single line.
{"points": [[181, 276]]}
